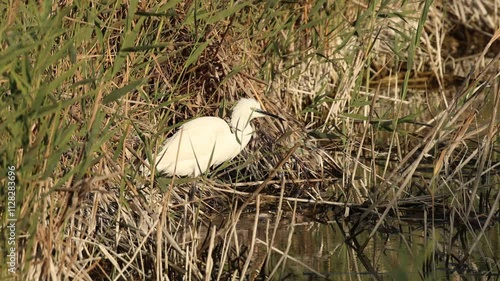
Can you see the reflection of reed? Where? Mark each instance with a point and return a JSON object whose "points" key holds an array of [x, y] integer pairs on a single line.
{"points": [[339, 252]]}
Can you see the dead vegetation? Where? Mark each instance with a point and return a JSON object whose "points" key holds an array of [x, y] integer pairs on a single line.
{"points": [[392, 119]]}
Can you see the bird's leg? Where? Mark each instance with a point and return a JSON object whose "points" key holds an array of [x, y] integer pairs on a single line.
{"points": [[193, 190]]}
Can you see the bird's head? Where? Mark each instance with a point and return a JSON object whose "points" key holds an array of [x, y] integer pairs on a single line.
{"points": [[247, 109]]}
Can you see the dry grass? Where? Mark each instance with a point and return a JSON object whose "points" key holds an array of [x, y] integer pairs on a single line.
{"points": [[389, 112]]}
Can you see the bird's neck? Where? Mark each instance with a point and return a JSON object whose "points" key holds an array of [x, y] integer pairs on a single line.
{"points": [[242, 130], [240, 124]]}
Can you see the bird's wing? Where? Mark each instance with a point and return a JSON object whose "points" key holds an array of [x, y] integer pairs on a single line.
{"points": [[192, 147]]}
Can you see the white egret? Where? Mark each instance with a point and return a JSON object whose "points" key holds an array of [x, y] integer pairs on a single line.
{"points": [[207, 141]]}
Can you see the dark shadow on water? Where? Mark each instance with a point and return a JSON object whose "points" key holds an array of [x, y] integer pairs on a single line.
{"points": [[307, 250]]}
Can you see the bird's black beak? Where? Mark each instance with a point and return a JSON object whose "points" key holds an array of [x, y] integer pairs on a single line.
{"points": [[269, 114]]}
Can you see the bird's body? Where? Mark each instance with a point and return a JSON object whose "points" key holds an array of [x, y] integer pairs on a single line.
{"points": [[207, 141], [204, 141]]}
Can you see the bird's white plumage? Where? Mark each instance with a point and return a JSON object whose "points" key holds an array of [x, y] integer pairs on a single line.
{"points": [[206, 141]]}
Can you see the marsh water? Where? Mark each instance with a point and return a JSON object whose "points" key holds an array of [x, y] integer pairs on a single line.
{"points": [[328, 251]]}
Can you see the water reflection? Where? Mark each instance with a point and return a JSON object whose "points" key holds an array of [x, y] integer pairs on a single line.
{"points": [[307, 250]]}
